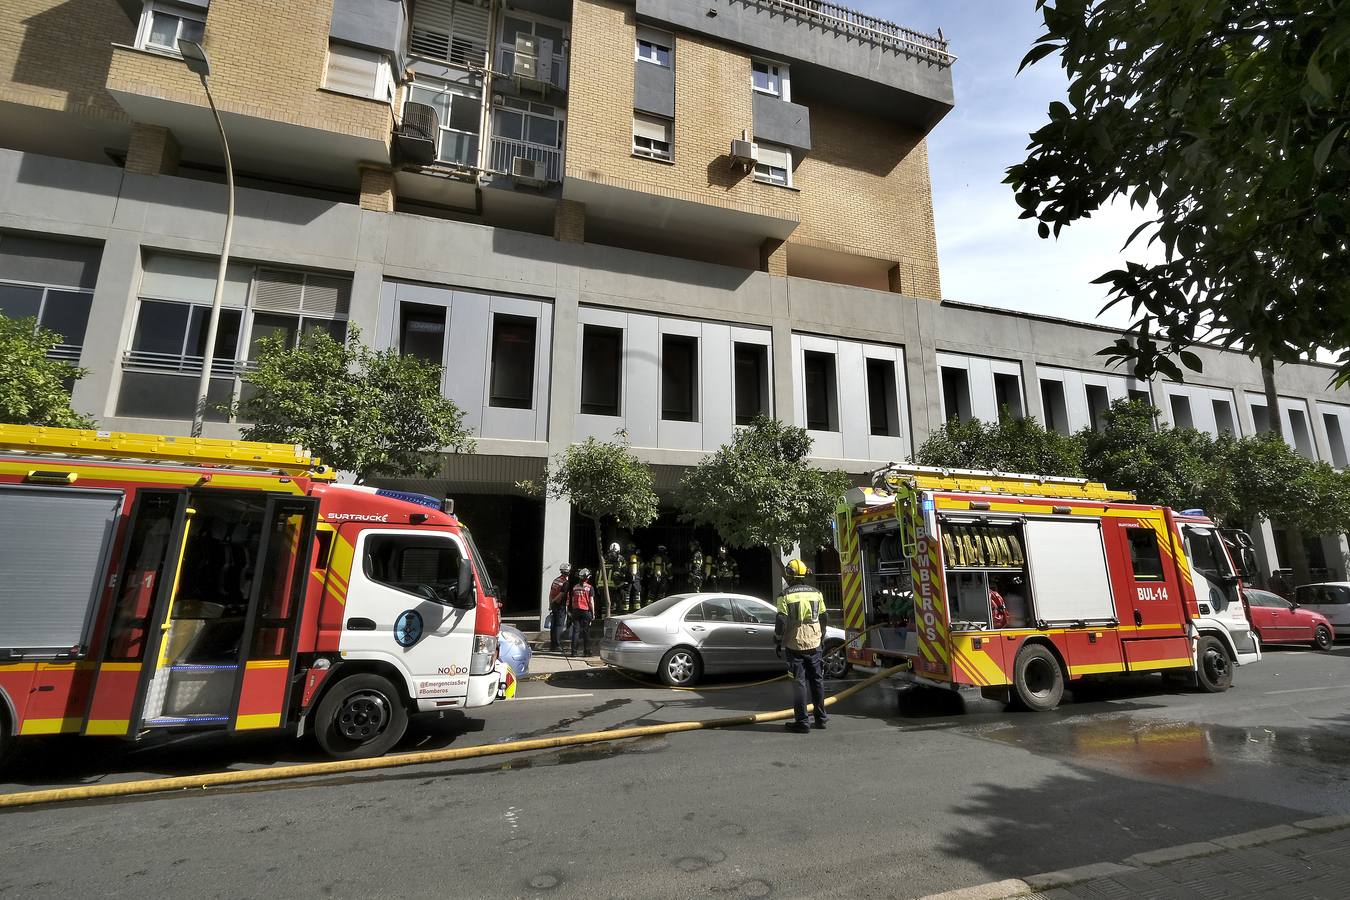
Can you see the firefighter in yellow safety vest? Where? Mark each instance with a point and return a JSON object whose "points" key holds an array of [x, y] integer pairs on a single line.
{"points": [[799, 627]]}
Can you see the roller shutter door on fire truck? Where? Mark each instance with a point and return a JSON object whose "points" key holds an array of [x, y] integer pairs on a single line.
{"points": [[1068, 570], [54, 553]]}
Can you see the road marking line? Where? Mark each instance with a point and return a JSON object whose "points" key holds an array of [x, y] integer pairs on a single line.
{"points": [[551, 697], [1330, 687]]}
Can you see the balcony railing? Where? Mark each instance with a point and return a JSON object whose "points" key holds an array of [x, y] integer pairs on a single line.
{"points": [[66, 352], [144, 360], [503, 150], [870, 28], [455, 51]]}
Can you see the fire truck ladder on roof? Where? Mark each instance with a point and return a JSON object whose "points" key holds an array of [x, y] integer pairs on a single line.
{"points": [[974, 481], [288, 458]]}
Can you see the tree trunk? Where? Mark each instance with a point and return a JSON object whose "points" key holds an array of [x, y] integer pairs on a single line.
{"points": [[1298, 553], [604, 569]]}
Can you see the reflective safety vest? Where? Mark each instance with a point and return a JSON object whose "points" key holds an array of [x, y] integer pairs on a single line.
{"points": [[557, 591], [583, 598], [802, 606]]}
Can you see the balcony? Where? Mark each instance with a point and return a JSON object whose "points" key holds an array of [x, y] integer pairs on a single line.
{"points": [[864, 27], [503, 150]]}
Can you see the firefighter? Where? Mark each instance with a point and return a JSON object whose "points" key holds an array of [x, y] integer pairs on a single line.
{"points": [[611, 577], [633, 583], [558, 593], [695, 567], [658, 574], [726, 571], [581, 608], [799, 626]]}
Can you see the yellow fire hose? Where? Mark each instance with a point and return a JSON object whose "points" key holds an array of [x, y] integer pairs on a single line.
{"points": [[336, 767]]}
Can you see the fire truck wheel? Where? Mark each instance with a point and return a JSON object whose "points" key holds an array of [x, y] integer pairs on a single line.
{"points": [[1215, 672], [1322, 638], [362, 715], [1038, 681], [681, 667]]}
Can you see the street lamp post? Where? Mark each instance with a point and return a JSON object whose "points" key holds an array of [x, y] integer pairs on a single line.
{"points": [[196, 60]]}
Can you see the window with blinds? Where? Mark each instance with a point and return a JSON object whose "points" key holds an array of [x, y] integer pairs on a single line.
{"points": [[450, 31], [362, 73], [292, 304], [652, 137], [773, 165]]}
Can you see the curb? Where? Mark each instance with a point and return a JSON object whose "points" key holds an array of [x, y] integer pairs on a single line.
{"points": [[1030, 884]]}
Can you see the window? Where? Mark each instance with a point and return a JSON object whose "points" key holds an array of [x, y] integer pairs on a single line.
{"points": [[294, 304], [362, 73], [601, 370], [421, 332], [679, 378], [1265, 599], [955, 394], [1098, 402], [163, 25], [822, 398], [424, 566], [452, 30], [751, 364], [714, 609], [769, 78], [1008, 395], [62, 311], [1139, 396], [1144, 556], [652, 136], [1181, 412], [511, 382], [551, 47], [457, 113], [527, 129], [1052, 402], [1261, 418], [1223, 418], [1298, 426], [754, 612], [883, 408], [1335, 437], [773, 164], [654, 47], [167, 343]]}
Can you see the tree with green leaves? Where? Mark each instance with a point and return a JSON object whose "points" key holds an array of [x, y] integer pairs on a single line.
{"points": [[602, 480], [32, 384], [370, 412], [762, 491], [1009, 445], [1173, 467], [1229, 122]]}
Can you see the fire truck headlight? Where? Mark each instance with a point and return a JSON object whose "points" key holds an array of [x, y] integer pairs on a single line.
{"points": [[484, 654]]}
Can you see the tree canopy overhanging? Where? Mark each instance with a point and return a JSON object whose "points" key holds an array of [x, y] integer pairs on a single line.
{"points": [[1229, 121]]}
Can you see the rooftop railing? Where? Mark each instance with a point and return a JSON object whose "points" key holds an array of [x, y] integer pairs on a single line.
{"points": [[865, 27]]}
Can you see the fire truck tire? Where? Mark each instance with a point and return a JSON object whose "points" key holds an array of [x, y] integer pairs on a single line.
{"points": [[1215, 672], [1038, 681], [362, 715]]}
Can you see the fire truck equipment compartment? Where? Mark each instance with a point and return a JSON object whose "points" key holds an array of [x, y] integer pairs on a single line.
{"points": [[54, 545], [1068, 570]]}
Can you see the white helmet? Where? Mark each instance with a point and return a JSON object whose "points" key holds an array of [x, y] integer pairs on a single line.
{"points": [[614, 547]]}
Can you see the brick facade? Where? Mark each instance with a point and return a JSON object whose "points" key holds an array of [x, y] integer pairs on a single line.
{"points": [[152, 151], [53, 58], [377, 188], [569, 222]]}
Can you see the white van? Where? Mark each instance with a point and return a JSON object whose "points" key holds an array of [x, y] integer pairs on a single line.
{"points": [[1331, 599]]}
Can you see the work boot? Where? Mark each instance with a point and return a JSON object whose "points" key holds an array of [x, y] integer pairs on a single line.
{"points": [[797, 727], [820, 725]]}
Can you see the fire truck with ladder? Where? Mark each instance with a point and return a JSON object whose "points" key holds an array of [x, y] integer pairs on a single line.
{"points": [[153, 584], [1018, 585]]}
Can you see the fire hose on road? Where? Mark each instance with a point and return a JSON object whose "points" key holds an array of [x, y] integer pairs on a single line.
{"points": [[337, 767]]}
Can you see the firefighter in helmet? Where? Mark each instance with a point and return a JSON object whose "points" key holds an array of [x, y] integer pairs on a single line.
{"points": [[799, 627], [612, 577], [726, 571], [633, 580], [581, 609], [558, 593], [658, 574], [696, 573]]}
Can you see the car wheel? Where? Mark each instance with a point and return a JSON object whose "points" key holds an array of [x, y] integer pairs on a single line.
{"points": [[362, 715], [836, 661], [1215, 672], [681, 667], [1038, 682], [1322, 638]]}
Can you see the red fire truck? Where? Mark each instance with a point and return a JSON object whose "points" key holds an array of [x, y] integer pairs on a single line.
{"points": [[155, 584], [1017, 585]]}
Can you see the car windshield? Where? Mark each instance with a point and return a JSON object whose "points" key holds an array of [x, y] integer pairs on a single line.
{"points": [[660, 606]]}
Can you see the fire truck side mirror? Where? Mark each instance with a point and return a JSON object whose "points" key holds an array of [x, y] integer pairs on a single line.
{"points": [[466, 594]]}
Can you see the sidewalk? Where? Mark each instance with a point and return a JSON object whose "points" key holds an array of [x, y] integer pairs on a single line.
{"points": [[1306, 859], [544, 663]]}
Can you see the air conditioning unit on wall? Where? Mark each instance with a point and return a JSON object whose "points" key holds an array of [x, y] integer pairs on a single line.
{"points": [[533, 61], [743, 153], [529, 171]]}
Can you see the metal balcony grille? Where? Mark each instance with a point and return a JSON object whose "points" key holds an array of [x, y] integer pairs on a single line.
{"points": [[865, 27]]}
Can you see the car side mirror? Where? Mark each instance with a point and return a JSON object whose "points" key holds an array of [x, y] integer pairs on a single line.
{"points": [[466, 593]]}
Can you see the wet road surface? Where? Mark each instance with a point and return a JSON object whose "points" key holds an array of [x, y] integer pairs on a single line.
{"points": [[900, 797]]}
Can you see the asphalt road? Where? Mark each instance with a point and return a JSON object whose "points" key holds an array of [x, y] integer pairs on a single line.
{"points": [[902, 796]]}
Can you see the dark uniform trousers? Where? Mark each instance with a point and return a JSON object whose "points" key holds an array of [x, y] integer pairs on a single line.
{"points": [[807, 670]]}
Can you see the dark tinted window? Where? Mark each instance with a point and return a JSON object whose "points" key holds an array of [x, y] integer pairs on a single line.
{"points": [[883, 411], [679, 378], [1144, 556], [718, 609], [821, 397], [422, 332], [752, 382], [425, 567], [601, 370], [512, 381]]}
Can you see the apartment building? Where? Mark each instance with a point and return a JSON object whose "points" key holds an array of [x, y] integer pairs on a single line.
{"points": [[656, 216]]}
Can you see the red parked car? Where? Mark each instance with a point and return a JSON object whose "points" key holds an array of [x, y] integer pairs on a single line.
{"points": [[1277, 621]]}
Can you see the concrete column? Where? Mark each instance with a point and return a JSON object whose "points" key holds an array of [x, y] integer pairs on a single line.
{"points": [[773, 257], [562, 410], [569, 222], [784, 407], [119, 279], [377, 188], [153, 151], [925, 398], [557, 539], [367, 279]]}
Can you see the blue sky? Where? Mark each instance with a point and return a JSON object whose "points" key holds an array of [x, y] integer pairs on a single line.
{"points": [[988, 255]]}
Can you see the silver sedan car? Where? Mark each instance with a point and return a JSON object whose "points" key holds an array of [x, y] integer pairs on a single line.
{"points": [[684, 636]]}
